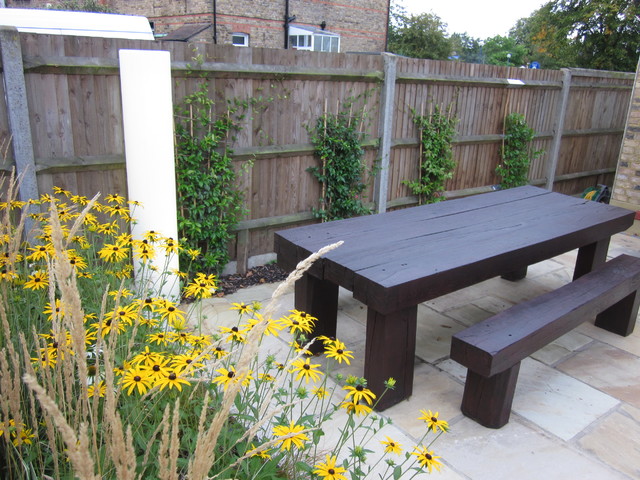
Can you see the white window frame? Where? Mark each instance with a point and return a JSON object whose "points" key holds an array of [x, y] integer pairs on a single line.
{"points": [[244, 36], [320, 40], [324, 43], [300, 42]]}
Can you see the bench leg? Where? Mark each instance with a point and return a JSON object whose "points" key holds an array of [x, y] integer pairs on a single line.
{"points": [[590, 256], [621, 317], [390, 351], [488, 400], [318, 298]]}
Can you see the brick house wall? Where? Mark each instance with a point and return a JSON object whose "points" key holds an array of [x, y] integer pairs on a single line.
{"points": [[361, 24], [626, 187]]}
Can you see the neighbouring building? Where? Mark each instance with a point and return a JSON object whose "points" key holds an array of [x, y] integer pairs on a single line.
{"points": [[320, 25], [626, 189]]}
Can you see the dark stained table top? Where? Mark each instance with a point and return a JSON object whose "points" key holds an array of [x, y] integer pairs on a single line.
{"points": [[397, 259]]}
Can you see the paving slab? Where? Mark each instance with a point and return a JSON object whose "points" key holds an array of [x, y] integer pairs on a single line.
{"points": [[432, 390], [615, 441], [517, 452], [469, 314], [433, 334], [608, 369], [544, 268], [630, 344], [556, 402], [562, 348]]}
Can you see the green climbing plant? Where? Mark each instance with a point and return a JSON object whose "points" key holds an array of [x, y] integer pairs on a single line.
{"points": [[516, 152], [209, 201], [436, 132], [337, 140]]}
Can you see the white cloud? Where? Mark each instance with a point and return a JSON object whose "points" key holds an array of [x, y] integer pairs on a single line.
{"points": [[479, 19]]}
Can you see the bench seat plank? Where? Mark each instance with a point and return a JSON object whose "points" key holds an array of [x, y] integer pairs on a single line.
{"points": [[381, 230], [495, 344], [318, 235], [408, 269], [493, 349]]}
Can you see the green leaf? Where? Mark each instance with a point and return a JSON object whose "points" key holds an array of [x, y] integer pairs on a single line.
{"points": [[397, 473], [304, 467]]}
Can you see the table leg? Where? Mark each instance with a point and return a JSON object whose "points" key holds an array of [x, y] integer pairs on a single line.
{"points": [[590, 256], [390, 352], [318, 298], [516, 275]]}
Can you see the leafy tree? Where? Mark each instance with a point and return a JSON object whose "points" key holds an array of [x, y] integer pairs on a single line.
{"points": [[528, 32], [505, 51], [467, 49], [600, 34], [418, 36]]}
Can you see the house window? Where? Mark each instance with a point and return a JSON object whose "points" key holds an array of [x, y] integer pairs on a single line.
{"points": [[301, 42], [240, 39], [310, 38], [326, 43]]}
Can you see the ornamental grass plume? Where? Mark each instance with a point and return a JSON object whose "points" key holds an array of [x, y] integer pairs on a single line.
{"points": [[102, 378], [77, 447], [169, 443]]}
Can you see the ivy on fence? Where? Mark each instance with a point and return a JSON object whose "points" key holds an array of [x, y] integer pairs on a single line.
{"points": [[515, 152], [436, 154], [210, 203], [338, 139]]}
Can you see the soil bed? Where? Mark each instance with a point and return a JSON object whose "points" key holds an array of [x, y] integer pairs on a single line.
{"points": [[228, 284]]}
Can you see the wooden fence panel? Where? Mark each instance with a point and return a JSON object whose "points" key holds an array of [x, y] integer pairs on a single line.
{"points": [[76, 119], [480, 101], [594, 125]]}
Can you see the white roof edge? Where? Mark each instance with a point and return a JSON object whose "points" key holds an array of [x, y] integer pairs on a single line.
{"points": [[85, 24], [303, 30]]}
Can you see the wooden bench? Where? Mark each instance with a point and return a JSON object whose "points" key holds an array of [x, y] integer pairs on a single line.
{"points": [[493, 349]]}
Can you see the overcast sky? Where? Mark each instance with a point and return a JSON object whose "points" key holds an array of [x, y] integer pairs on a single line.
{"points": [[478, 18]]}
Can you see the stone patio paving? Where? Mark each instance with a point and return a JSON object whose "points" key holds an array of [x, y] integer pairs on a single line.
{"points": [[576, 411]]}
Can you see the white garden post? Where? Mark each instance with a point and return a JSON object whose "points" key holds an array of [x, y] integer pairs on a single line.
{"points": [[145, 80]]}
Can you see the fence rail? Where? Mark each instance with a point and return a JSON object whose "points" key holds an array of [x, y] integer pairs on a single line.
{"points": [[73, 111]]}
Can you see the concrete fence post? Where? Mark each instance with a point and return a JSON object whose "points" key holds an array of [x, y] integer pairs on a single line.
{"points": [[18, 114], [387, 110], [561, 112]]}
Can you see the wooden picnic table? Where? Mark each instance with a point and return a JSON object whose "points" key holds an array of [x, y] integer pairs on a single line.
{"points": [[396, 260]]}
